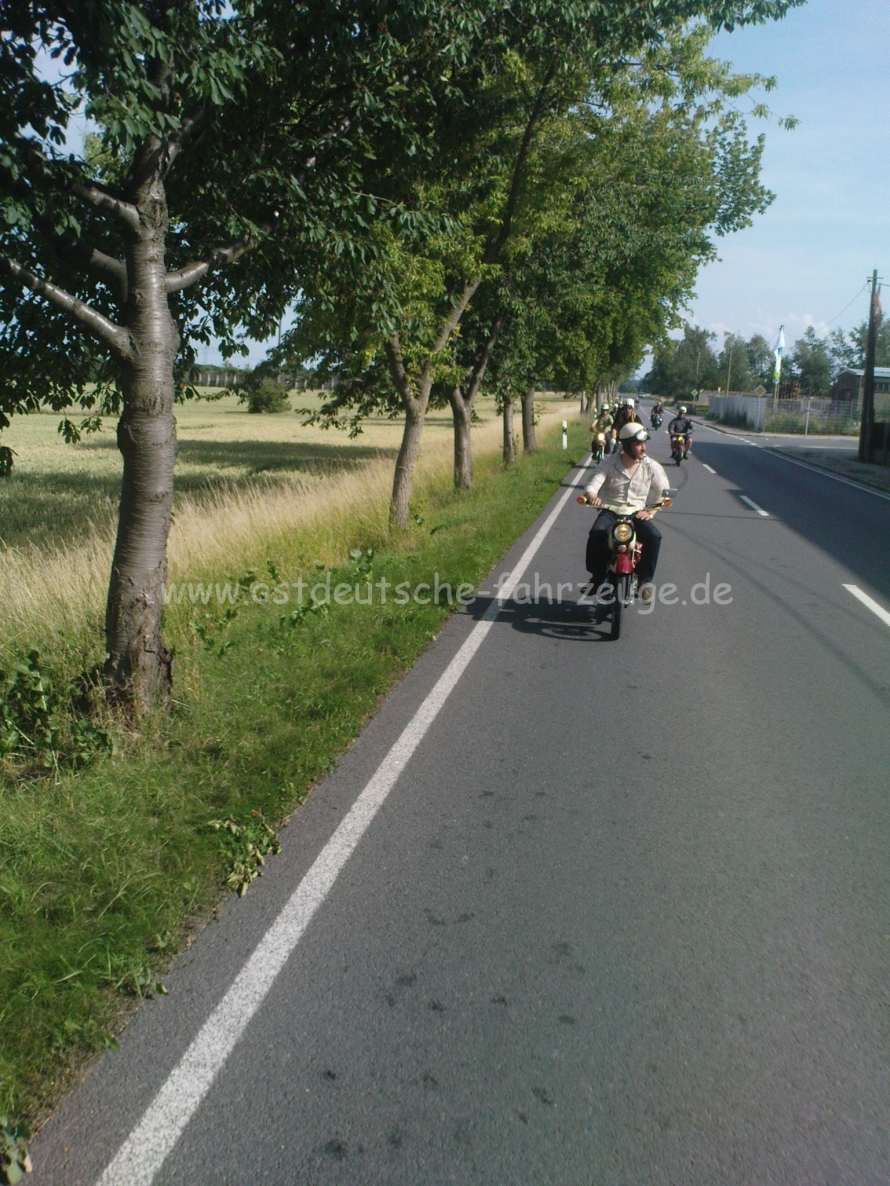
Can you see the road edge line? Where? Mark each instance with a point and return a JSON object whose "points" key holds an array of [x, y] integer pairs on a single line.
{"points": [[869, 603]]}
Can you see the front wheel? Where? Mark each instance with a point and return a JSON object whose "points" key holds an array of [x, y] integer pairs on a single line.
{"points": [[621, 589]]}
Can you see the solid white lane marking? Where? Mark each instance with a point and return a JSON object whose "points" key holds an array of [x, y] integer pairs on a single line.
{"points": [[753, 505], [877, 610], [148, 1145], [708, 468], [815, 469]]}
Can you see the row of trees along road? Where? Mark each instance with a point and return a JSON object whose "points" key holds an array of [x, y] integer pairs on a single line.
{"points": [[692, 363], [392, 169]]}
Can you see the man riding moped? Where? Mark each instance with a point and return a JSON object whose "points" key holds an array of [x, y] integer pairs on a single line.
{"points": [[627, 479], [681, 426]]}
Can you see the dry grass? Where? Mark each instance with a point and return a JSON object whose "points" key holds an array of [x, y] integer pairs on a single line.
{"points": [[247, 485]]}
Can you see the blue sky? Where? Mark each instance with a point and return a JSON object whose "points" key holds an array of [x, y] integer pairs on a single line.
{"points": [[807, 257]]}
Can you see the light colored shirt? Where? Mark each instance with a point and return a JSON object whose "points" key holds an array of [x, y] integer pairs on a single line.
{"points": [[647, 484]]}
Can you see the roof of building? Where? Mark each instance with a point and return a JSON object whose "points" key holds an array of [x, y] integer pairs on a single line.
{"points": [[880, 372]]}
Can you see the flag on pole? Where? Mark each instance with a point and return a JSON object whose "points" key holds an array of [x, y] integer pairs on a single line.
{"points": [[778, 352], [879, 309]]}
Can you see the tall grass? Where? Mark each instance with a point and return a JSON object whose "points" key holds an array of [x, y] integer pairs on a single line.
{"points": [[54, 596]]}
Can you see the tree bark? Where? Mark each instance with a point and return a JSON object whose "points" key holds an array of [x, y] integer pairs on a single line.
{"points": [[408, 452], [509, 443], [139, 667], [462, 416], [529, 436]]}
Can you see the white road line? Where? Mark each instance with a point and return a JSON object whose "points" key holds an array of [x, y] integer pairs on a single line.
{"points": [[753, 505], [815, 469], [148, 1145], [877, 610], [708, 468]]}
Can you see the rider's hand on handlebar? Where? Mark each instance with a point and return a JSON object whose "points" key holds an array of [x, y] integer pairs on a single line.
{"points": [[643, 515]]}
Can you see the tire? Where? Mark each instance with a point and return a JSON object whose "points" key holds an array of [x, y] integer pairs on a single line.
{"points": [[621, 589]]}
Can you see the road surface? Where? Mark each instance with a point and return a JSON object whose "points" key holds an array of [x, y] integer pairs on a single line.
{"points": [[623, 916]]}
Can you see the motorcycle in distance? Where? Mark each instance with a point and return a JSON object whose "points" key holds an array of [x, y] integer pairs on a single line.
{"points": [[626, 553], [655, 420], [598, 447], [679, 446]]}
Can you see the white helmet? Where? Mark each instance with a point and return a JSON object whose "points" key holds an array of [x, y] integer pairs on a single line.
{"points": [[627, 402], [632, 432], [683, 410]]}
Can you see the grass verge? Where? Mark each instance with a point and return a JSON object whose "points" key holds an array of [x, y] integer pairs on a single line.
{"points": [[104, 873]]}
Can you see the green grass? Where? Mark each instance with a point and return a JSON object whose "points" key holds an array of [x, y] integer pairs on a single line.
{"points": [[104, 872]]}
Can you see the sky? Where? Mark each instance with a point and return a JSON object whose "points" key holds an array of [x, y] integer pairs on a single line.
{"points": [[808, 256]]}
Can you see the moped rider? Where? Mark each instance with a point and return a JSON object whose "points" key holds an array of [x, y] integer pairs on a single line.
{"points": [[657, 412], [627, 479], [626, 414], [602, 423], [681, 426]]}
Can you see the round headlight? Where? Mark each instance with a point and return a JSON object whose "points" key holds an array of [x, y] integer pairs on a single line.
{"points": [[623, 532]]}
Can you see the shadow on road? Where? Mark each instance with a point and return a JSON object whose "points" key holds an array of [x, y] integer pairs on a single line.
{"points": [[567, 620], [848, 524]]}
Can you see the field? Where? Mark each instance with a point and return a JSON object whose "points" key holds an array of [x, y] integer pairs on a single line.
{"points": [[106, 871], [240, 479]]}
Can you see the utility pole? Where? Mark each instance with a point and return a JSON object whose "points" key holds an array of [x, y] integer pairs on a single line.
{"points": [[866, 424], [729, 368]]}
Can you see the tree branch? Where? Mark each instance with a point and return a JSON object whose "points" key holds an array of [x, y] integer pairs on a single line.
{"points": [[95, 195], [484, 357], [190, 273], [190, 125], [457, 311], [92, 193], [114, 336], [494, 248], [397, 368]]}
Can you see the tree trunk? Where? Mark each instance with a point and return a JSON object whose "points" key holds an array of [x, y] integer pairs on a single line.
{"points": [[509, 443], [399, 506], [139, 666], [529, 436], [462, 416]]}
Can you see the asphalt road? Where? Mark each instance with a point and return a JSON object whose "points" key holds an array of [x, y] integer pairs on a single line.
{"points": [[624, 917]]}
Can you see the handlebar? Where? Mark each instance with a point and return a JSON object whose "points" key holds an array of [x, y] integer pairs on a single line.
{"points": [[655, 506]]}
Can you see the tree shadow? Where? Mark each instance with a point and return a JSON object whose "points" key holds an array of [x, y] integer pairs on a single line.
{"points": [[847, 523], [61, 506], [259, 457]]}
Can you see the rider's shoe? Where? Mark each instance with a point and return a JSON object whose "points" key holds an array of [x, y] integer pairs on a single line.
{"points": [[647, 593]]}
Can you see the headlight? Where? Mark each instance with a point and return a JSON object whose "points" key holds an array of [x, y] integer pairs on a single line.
{"points": [[623, 532]]}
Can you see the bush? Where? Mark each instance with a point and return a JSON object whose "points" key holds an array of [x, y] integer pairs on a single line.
{"points": [[267, 396]]}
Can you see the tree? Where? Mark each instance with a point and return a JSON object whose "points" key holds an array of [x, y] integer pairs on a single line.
{"points": [[761, 360], [385, 333], [227, 134], [679, 369], [811, 364], [732, 364]]}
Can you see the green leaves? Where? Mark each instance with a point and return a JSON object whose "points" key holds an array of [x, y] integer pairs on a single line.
{"points": [[14, 1159], [245, 847]]}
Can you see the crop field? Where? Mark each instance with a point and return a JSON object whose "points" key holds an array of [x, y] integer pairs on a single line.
{"points": [[242, 480]]}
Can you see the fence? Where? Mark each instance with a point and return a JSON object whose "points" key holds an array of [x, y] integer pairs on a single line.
{"points": [[741, 411], [818, 417]]}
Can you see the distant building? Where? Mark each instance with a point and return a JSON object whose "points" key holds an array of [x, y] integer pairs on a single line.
{"points": [[848, 384]]}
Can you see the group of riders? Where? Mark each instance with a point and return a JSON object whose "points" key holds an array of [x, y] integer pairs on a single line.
{"points": [[628, 478]]}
